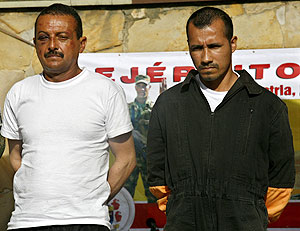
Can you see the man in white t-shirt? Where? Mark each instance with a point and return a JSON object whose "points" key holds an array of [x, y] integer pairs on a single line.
{"points": [[60, 125]]}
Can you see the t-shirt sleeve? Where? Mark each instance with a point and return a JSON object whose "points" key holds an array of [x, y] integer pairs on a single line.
{"points": [[117, 121], [10, 128]]}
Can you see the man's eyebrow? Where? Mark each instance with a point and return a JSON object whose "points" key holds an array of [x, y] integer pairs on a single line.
{"points": [[196, 46], [62, 32], [57, 33], [41, 31], [214, 44]]}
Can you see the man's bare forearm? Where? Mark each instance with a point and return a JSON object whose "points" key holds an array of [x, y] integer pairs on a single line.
{"points": [[123, 149], [118, 174], [15, 151]]}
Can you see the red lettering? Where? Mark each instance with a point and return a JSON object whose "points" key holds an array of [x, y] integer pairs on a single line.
{"points": [[276, 90], [238, 67], [180, 72], [259, 74], [281, 90], [134, 71], [157, 63], [106, 71], [155, 71], [281, 70], [287, 91]]}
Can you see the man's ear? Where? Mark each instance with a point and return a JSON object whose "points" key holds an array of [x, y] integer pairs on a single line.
{"points": [[83, 41], [233, 43]]}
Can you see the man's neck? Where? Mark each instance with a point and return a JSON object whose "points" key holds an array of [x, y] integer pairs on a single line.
{"points": [[221, 84], [60, 77]]}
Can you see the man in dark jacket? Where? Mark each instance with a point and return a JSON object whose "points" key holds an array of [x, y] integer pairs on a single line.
{"points": [[220, 150]]}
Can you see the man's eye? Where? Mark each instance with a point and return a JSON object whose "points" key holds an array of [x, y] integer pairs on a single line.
{"points": [[214, 46], [42, 37], [196, 48], [63, 37]]}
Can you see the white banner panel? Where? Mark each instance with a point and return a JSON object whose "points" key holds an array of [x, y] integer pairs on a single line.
{"points": [[276, 69]]}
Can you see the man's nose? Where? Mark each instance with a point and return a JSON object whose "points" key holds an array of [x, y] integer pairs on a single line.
{"points": [[206, 56], [52, 44]]}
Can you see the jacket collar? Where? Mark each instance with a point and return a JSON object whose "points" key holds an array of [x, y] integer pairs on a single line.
{"points": [[190, 77], [245, 80]]}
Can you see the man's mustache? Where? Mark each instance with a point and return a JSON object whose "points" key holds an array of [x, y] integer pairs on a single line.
{"points": [[211, 65], [55, 53]]}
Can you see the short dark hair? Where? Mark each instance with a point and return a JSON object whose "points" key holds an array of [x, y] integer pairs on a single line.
{"points": [[205, 17], [61, 9]]}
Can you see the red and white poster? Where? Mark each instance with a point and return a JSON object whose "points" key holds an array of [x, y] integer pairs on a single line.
{"points": [[276, 69]]}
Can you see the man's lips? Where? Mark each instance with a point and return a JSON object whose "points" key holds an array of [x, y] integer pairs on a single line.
{"points": [[206, 68], [54, 54]]}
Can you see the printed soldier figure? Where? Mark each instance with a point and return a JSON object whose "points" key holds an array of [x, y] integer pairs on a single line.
{"points": [[140, 111]]}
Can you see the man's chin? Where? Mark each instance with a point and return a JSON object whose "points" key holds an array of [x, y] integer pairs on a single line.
{"points": [[53, 69], [52, 66], [208, 77]]}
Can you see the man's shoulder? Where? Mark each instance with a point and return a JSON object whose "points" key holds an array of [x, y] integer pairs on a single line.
{"points": [[102, 82], [266, 98], [272, 101], [171, 93], [170, 97], [26, 82], [29, 80], [97, 77]]}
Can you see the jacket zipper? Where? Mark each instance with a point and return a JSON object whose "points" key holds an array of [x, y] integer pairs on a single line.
{"points": [[248, 130]]}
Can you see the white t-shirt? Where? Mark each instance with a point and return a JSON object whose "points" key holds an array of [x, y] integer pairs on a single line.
{"points": [[214, 98], [65, 128]]}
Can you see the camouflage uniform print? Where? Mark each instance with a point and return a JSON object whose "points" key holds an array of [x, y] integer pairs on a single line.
{"points": [[140, 115]]}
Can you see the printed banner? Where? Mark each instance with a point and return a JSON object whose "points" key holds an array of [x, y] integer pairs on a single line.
{"points": [[276, 69]]}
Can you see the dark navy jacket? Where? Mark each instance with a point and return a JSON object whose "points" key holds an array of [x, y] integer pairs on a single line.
{"points": [[219, 164]]}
